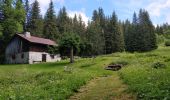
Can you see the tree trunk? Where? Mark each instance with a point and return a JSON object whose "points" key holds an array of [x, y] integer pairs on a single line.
{"points": [[71, 55]]}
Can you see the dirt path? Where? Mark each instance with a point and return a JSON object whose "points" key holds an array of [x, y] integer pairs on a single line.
{"points": [[103, 88]]}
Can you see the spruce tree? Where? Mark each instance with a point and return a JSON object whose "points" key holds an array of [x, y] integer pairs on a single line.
{"points": [[146, 40], [95, 33], [81, 28], [20, 15], [117, 39], [50, 25], [95, 15], [75, 24], [128, 36], [64, 23], [108, 38], [96, 38], [11, 22], [36, 21], [27, 14]]}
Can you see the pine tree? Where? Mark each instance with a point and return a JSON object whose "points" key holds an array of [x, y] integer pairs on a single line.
{"points": [[20, 14], [108, 38], [96, 34], [64, 23], [36, 21], [27, 14], [128, 35], [116, 36], [75, 24], [50, 25], [96, 38], [81, 28], [1, 10], [11, 22], [1, 17], [101, 16], [95, 15], [146, 39]]}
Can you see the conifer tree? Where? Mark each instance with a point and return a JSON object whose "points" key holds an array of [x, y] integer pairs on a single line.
{"points": [[81, 28], [20, 15], [128, 36], [64, 23], [116, 36], [36, 21], [95, 33], [50, 25], [95, 15], [146, 40], [11, 22], [95, 37], [27, 14]]}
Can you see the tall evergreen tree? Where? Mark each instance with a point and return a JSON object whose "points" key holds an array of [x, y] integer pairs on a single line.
{"points": [[50, 25], [81, 28], [146, 37], [135, 19], [96, 32], [27, 14], [128, 36], [1, 17], [64, 23], [116, 40], [95, 15], [131, 34], [20, 14], [96, 38], [11, 22], [36, 21]]}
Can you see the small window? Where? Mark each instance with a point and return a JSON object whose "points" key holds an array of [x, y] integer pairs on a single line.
{"points": [[52, 56], [13, 57], [22, 56]]}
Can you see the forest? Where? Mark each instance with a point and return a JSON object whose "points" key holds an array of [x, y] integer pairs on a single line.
{"points": [[139, 46], [104, 34]]}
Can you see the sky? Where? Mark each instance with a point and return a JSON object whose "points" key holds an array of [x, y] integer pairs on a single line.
{"points": [[158, 9]]}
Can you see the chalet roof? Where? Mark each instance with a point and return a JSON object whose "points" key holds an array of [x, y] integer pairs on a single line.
{"points": [[38, 40]]}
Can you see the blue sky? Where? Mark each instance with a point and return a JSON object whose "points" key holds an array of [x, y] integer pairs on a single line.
{"points": [[158, 9]]}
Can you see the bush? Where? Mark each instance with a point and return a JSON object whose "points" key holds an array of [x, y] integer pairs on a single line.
{"points": [[167, 43], [158, 65]]}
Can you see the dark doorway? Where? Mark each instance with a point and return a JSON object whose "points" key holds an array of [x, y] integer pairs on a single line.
{"points": [[44, 57]]}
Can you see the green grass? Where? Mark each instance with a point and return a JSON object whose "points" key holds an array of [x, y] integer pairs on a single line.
{"points": [[104, 88], [54, 81], [49, 81], [146, 81]]}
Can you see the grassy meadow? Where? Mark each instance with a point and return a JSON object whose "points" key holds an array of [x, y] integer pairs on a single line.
{"points": [[147, 76]]}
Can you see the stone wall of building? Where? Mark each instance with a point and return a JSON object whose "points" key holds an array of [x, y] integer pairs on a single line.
{"points": [[31, 58]]}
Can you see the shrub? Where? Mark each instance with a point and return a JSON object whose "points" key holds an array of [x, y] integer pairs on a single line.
{"points": [[167, 43], [158, 65]]}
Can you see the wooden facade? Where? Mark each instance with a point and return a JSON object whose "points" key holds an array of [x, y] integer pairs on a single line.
{"points": [[21, 50]]}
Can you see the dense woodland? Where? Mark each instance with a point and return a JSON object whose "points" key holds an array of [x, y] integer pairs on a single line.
{"points": [[104, 34]]}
